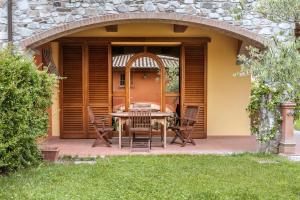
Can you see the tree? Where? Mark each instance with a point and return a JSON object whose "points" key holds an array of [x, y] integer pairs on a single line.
{"points": [[25, 95], [275, 73]]}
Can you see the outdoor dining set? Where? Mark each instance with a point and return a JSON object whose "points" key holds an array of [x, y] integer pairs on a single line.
{"points": [[141, 124]]}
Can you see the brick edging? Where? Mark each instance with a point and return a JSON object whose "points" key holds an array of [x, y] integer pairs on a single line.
{"points": [[72, 27]]}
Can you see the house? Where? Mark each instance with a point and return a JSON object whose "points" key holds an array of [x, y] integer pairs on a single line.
{"points": [[79, 40]]}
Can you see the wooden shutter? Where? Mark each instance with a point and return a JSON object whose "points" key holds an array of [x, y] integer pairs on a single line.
{"points": [[72, 93], [195, 85], [98, 97]]}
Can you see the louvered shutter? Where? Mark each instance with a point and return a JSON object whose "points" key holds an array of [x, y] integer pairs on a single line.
{"points": [[98, 82], [72, 93], [195, 85]]}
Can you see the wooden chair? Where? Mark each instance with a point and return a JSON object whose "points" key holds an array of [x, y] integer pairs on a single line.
{"points": [[140, 122], [101, 129], [183, 127]]}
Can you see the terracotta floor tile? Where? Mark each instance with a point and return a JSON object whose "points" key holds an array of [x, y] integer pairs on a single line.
{"points": [[212, 145]]}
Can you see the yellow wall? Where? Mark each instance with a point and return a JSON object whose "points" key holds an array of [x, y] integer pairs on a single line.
{"points": [[227, 95], [55, 98]]}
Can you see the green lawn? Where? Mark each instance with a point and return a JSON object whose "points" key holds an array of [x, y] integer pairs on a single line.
{"points": [[160, 177]]}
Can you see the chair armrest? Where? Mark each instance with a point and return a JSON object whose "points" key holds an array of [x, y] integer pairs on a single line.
{"points": [[101, 119], [188, 121]]}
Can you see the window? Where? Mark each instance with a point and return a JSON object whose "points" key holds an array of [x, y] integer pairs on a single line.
{"points": [[122, 79]]}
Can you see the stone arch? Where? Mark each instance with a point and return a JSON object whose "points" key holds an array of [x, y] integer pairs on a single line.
{"points": [[163, 17], [162, 77]]}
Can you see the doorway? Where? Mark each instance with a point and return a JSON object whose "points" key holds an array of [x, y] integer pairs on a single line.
{"points": [[146, 76]]}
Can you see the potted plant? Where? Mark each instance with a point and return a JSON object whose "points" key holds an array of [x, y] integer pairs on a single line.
{"points": [[50, 153]]}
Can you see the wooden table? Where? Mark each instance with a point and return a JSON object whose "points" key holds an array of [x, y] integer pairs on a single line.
{"points": [[158, 116]]}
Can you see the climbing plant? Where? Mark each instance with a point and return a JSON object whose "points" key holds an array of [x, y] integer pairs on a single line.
{"points": [[275, 70], [275, 73]]}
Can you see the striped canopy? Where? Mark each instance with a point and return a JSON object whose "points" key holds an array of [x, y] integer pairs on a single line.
{"points": [[120, 61]]}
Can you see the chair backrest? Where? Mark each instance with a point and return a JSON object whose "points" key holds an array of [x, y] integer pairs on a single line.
{"points": [[96, 123], [190, 115], [177, 111], [140, 119], [91, 115]]}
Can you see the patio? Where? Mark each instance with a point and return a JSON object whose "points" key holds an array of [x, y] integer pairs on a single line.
{"points": [[211, 145]]}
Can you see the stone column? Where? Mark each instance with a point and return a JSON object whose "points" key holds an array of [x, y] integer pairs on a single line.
{"points": [[287, 144]]}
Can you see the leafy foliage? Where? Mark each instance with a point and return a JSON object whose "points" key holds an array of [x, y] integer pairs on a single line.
{"points": [[173, 78], [25, 94], [279, 10], [278, 67], [276, 77], [263, 99], [275, 71], [274, 10]]}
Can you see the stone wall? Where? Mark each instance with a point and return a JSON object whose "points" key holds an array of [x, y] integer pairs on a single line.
{"points": [[3, 24], [34, 16]]}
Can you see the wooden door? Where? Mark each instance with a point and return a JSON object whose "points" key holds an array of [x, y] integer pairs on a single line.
{"points": [[72, 98], [98, 83], [86, 83], [195, 85]]}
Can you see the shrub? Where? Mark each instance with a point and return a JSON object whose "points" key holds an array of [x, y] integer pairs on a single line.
{"points": [[25, 95]]}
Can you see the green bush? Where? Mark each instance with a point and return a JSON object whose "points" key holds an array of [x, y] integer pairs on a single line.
{"points": [[25, 95]]}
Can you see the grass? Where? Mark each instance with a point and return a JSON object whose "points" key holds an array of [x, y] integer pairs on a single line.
{"points": [[297, 125], [181, 177]]}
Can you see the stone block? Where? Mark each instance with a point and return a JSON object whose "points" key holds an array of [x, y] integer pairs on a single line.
{"points": [[214, 15], [122, 8], [188, 1], [286, 148], [56, 4], [149, 6], [3, 36]]}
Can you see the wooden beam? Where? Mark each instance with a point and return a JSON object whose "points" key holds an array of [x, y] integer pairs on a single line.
{"points": [[111, 28], [127, 89], [106, 40], [297, 30], [162, 85], [242, 49], [182, 78], [110, 76], [146, 43], [205, 89], [179, 28], [85, 85]]}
